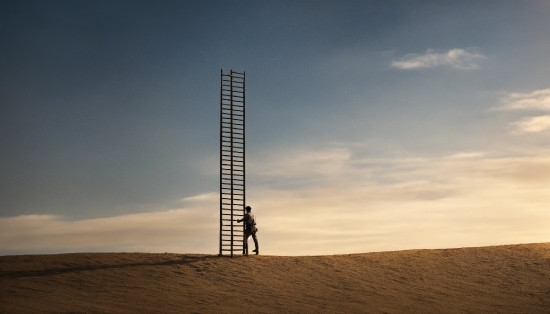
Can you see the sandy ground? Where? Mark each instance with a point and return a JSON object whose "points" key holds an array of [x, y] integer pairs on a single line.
{"points": [[498, 279]]}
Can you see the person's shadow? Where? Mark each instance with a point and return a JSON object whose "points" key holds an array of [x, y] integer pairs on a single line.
{"points": [[183, 260]]}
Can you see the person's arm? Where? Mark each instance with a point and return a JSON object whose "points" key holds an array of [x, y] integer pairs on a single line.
{"points": [[244, 218]]}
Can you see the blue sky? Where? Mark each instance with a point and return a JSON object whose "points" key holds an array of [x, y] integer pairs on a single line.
{"points": [[371, 125]]}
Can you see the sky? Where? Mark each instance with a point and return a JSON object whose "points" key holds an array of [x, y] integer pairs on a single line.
{"points": [[371, 125]]}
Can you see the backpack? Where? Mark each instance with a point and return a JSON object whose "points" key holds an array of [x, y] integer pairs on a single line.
{"points": [[251, 223], [251, 220]]}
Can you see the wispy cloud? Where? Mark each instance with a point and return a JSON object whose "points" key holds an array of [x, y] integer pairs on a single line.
{"points": [[532, 124], [348, 204], [202, 197], [455, 58], [467, 198], [191, 229], [535, 100]]}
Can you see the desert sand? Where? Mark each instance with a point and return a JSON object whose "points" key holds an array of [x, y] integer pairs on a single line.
{"points": [[497, 279]]}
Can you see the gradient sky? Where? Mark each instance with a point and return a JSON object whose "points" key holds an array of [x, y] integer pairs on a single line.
{"points": [[372, 125]]}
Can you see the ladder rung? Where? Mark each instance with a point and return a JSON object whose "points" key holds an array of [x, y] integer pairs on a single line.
{"points": [[232, 204], [233, 122], [231, 109], [234, 79], [233, 131], [228, 108], [234, 150], [233, 101], [229, 127], [238, 75], [232, 137]]}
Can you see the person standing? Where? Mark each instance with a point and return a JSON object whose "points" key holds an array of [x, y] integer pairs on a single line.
{"points": [[250, 229]]}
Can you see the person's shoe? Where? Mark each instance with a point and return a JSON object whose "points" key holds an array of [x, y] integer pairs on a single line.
{"points": [[256, 251]]}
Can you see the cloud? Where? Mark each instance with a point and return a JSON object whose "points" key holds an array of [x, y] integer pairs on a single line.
{"points": [[532, 124], [202, 197], [535, 100], [466, 199], [347, 204], [455, 58], [189, 230]]}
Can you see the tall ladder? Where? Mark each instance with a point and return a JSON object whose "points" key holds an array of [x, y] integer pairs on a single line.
{"points": [[232, 162]]}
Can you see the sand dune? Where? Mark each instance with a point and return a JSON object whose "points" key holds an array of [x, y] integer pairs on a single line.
{"points": [[498, 279]]}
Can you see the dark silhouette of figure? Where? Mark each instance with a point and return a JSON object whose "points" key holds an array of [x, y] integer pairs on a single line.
{"points": [[250, 230]]}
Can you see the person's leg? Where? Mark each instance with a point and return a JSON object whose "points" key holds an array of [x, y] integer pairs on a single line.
{"points": [[245, 242], [257, 250]]}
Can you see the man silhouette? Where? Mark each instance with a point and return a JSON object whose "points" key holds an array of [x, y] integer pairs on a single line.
{"points": [[249, 230]]}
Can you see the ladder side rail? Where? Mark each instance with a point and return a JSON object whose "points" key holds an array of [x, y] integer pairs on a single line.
{"points": [[221, 172], [245, 239]]}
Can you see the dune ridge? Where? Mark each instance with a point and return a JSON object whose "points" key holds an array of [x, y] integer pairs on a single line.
{"points": [[496, 279]]}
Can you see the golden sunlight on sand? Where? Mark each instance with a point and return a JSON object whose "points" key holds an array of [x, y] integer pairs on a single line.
{"points": [[498, 279]]}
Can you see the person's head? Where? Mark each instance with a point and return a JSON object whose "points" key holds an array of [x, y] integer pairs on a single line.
{"points": [[248, 209]]}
